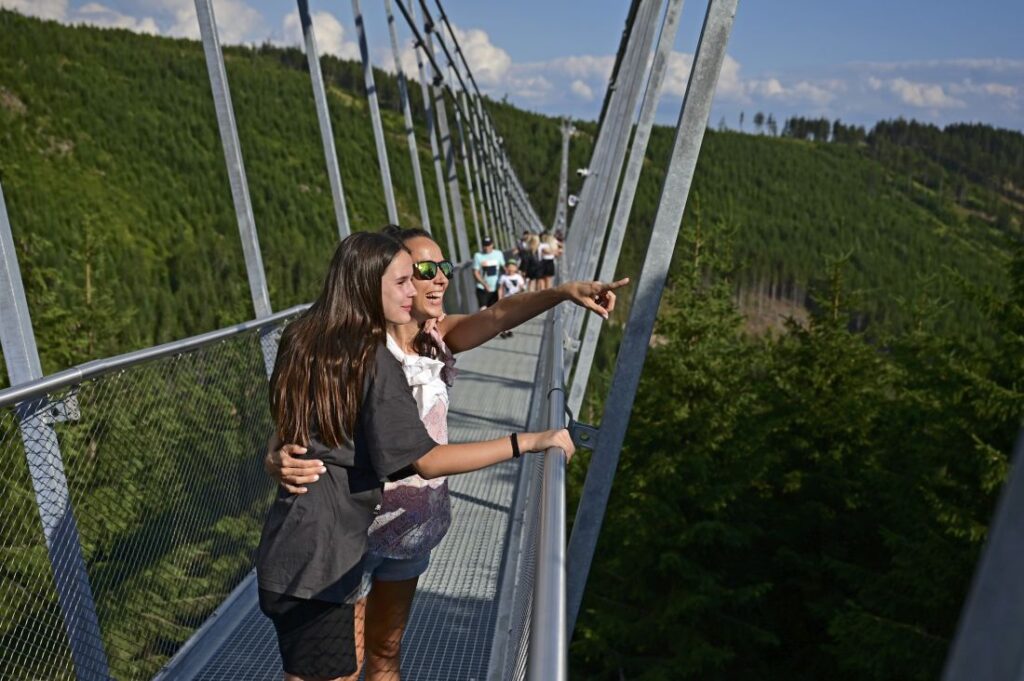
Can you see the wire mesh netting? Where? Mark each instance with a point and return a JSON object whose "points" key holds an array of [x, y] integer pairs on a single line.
{"points": [[164, 487]]}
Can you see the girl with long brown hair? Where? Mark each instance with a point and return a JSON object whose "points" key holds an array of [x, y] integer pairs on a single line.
{"points": [[415, 513], [338, 390]]}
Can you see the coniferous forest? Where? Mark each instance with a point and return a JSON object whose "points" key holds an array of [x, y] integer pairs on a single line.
{"points": [[828, 406]]}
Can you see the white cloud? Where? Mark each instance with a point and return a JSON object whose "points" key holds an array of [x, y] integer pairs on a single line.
{"points": [[921, 95], [968, 87], [237, 22], [677, 73], [995, 65], [582, 66], [100, 15], [582, 90], [490, 63], [44, 9], [329, 31]]}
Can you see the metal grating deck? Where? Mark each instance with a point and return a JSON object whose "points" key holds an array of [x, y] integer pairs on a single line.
{"points": [[451, 628]]}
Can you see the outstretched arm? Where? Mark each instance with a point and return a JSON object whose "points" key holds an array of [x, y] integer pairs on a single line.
{"points": [[465, 332], [471, 456], [282, 464]]}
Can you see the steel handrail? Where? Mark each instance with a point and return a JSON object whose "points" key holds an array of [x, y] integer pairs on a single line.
{"points": [[98, 367], [548, 658]]}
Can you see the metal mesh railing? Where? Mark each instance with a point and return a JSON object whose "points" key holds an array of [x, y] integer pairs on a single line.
{"points": [[130, 507]]}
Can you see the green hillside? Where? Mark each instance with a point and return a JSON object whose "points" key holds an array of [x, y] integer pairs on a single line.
{"points": [[114, 178], [802, 504]]}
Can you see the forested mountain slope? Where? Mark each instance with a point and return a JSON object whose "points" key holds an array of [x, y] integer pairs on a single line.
{"points": [[799, 505], [118, 195]]}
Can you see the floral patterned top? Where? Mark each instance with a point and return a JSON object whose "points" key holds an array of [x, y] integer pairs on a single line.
{"points": [[415, 513]]}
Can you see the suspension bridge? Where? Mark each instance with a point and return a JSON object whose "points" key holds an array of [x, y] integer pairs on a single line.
{"points": [[117, 583]]}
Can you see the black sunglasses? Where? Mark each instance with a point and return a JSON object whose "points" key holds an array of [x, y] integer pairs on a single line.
{"points": [[427, 269]]}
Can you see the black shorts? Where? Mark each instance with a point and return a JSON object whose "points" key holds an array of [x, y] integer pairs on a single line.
{"points": [[316, 638], [485, 298], [547, 268]]}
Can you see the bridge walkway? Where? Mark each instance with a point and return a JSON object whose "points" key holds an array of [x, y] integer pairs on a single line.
{"points": [[452, 625]]}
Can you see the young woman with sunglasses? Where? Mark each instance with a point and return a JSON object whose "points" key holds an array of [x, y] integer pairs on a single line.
{"points": [[338, 388], [415, 513]]}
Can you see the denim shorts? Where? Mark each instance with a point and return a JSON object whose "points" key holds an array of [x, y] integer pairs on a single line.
{"points": [[391, 569]]}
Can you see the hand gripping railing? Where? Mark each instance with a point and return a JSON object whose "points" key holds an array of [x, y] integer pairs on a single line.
{"points": [[152, 459]]}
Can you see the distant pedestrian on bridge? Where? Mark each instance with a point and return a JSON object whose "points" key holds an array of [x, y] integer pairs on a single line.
{"points": [[415, 513], [547, 250], [487, 266]]}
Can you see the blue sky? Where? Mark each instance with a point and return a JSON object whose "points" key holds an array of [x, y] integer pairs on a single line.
{"points": [[938, 61]]}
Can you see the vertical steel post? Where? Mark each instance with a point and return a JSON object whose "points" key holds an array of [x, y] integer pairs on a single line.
{"points": [[324, 117], [637, 153], [233, 158], [435, 151], [562, 208], [46, 469], [988, 645], [641, 12], [448, 151], [693, 119], [490, 170], [378, 127], [474, 145], [410, 130], [460, 126], [621, 113], [503, 184]]}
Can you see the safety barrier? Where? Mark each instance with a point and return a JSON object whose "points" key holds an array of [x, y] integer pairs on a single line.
{"points": [[132, 502]]}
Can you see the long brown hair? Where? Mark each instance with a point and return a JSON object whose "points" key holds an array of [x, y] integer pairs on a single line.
{"points": [[325, 355]]}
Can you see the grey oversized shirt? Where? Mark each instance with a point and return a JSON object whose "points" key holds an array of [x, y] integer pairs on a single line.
{"points": [[313, 544]]}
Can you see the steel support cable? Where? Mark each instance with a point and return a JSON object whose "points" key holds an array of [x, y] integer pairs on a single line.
{"points": [[435, 150], [621, 114], [375, 119], [439, 85], [462, 113], [410, 130], [324, 119], [478, 169], [475, 166], [693, 118], [614, 136], [573, 238], [648, 109], [450, 163], [561, 207], [459, 52], [233, 158]]}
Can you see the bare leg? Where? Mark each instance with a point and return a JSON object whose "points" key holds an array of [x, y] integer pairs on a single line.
{"points": [[359, 619], [387, 612]]}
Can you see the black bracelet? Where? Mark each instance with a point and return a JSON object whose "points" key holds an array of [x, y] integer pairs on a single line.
{"points": [[515, 445]]}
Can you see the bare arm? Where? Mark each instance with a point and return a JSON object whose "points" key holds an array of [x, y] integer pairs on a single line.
{"points": [[465, 332], [471, 456], [292, 473]]}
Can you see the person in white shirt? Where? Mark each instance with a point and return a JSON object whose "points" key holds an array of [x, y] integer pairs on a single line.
{"points": [[509, 284]]}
